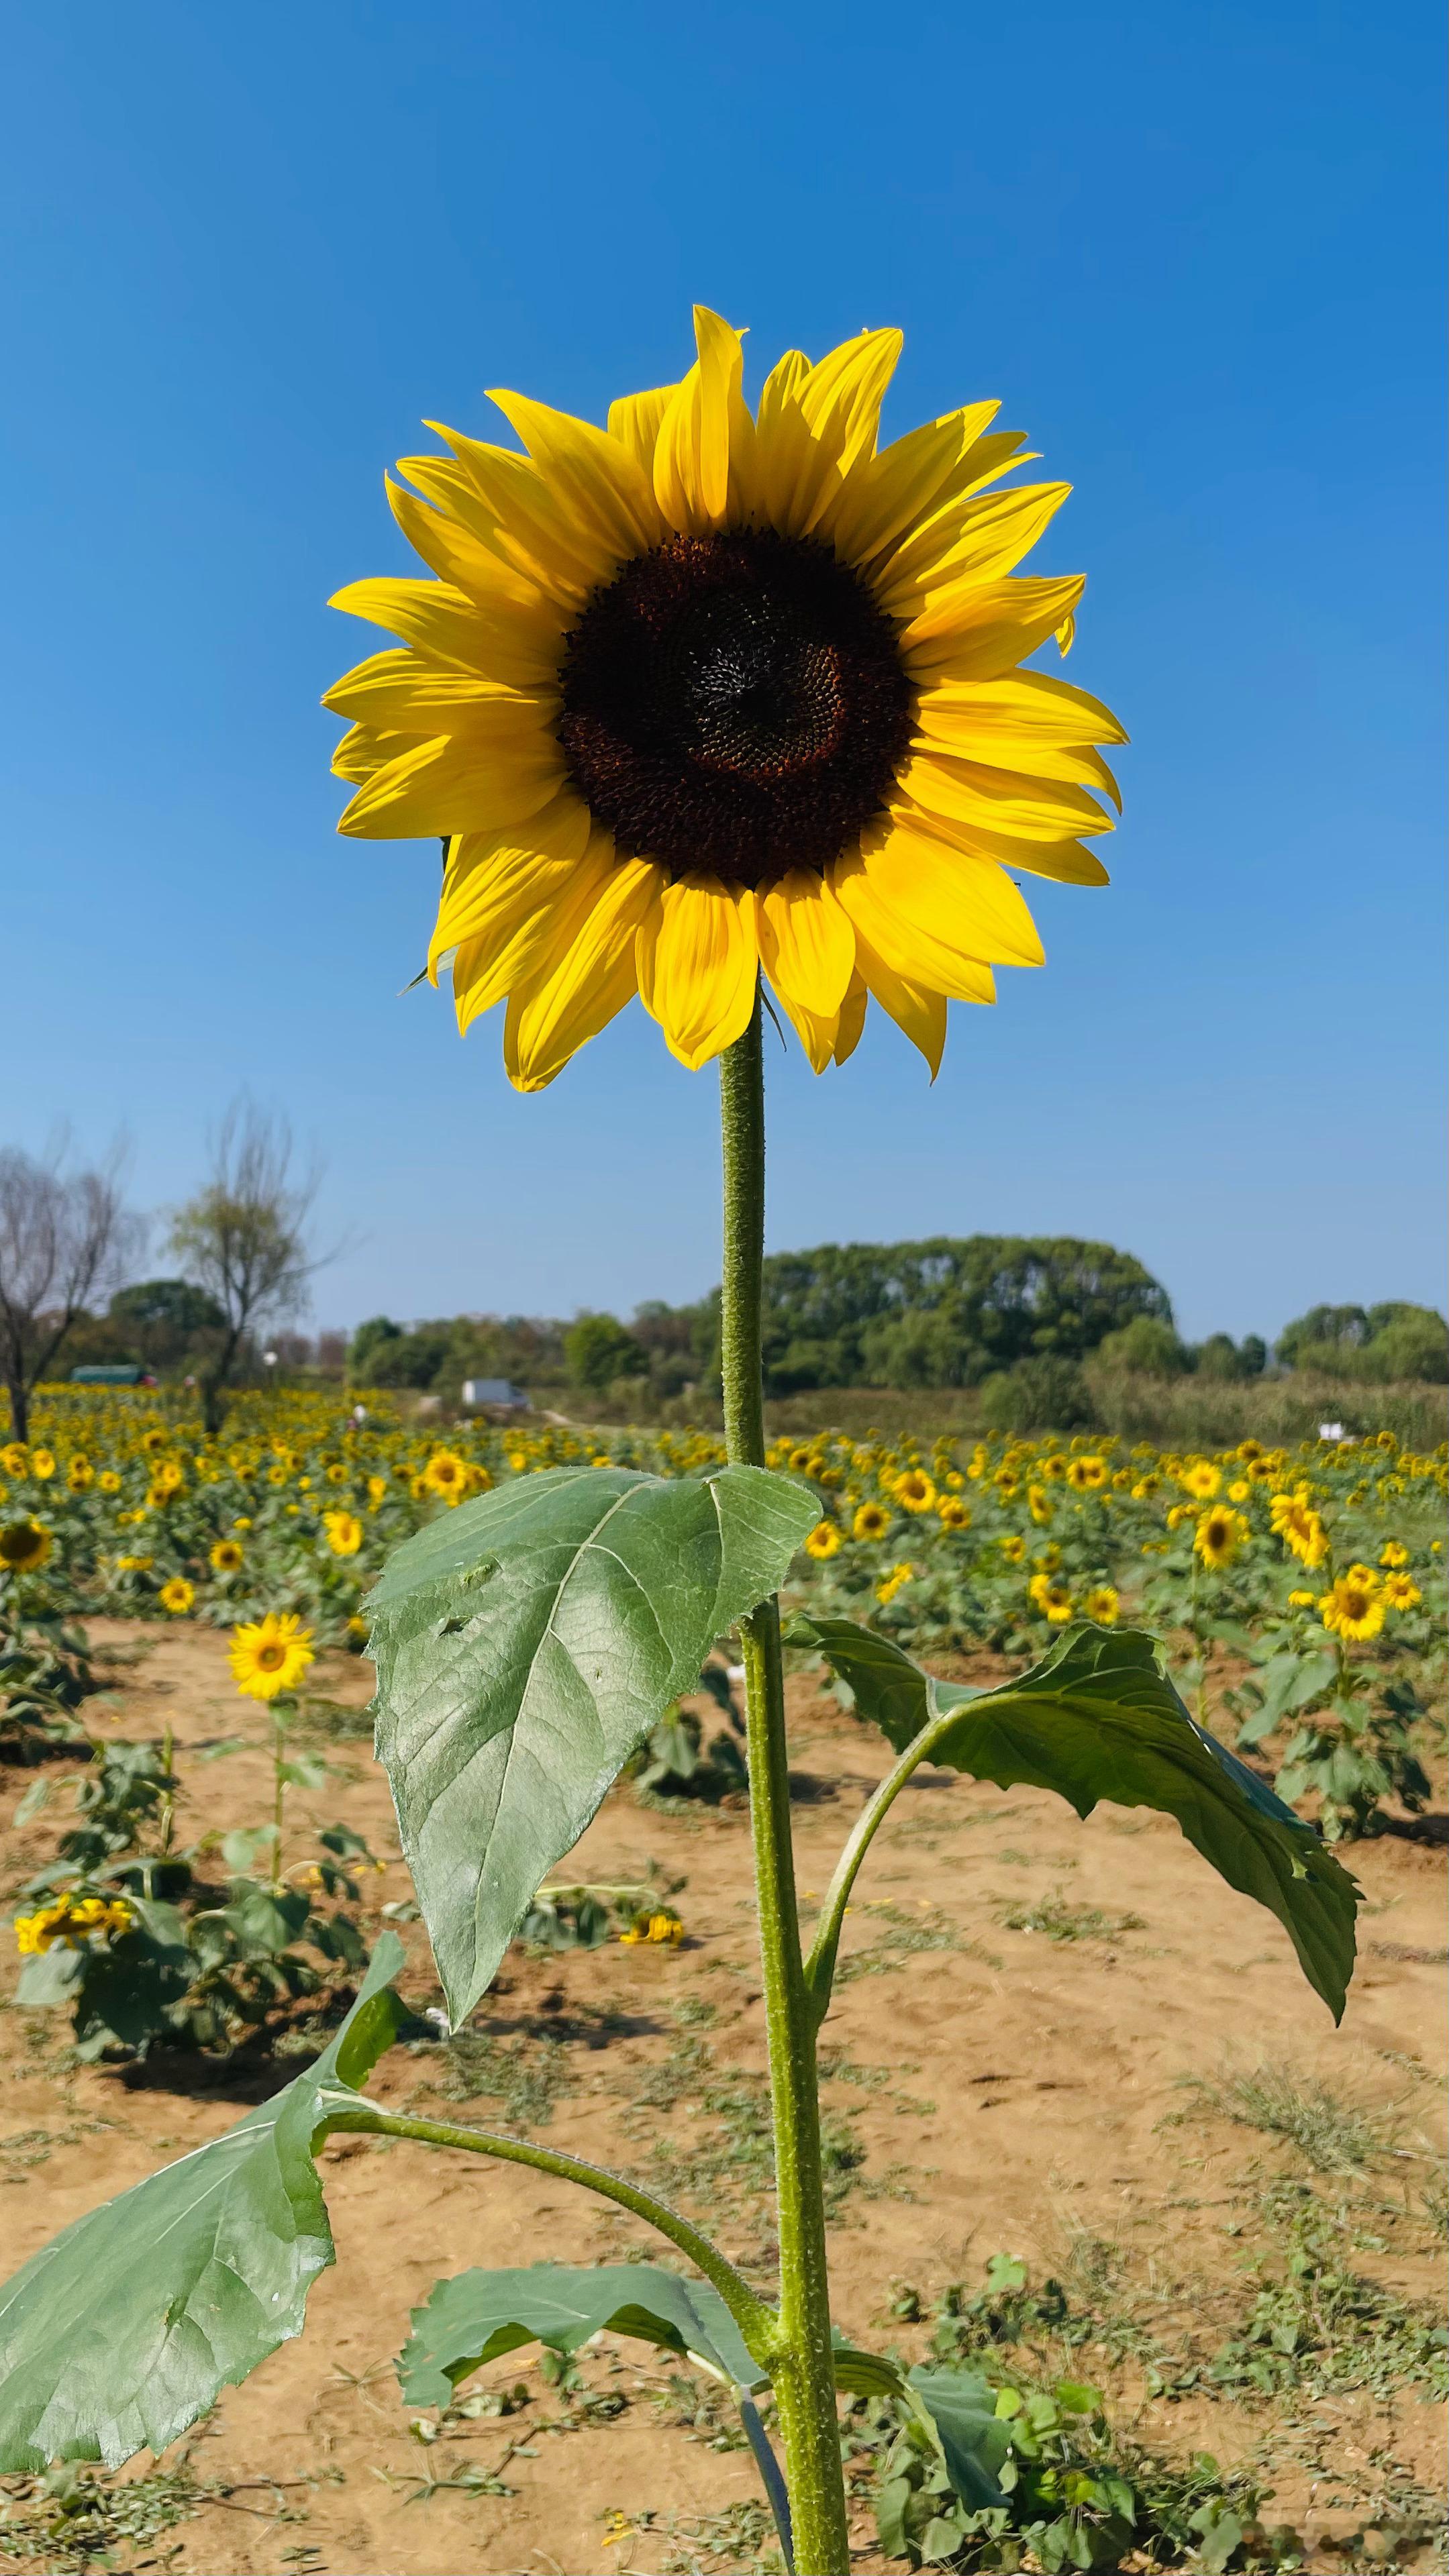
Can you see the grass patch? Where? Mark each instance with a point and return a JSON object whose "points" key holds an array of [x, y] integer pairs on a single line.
{"points": [[902, 1936], [1336, 2135], [1062, 1922]]}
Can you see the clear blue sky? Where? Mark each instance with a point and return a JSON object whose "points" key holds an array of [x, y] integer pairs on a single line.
{"points": [[1195, 253]]}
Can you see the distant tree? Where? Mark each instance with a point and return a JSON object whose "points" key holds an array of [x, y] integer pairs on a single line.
{"points": [[166, 1321], [65, 1238], [599, 1349], [368, 1340], [242, 1240], [1345, 1326], [1044, 1394], [1412, 1343], [1147, 1347]]}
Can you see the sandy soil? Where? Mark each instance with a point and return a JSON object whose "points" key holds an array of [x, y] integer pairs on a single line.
{"points": [[1008, 2092]]}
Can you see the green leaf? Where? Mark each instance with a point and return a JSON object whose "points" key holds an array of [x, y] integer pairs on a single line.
{"points": [[525, 1646], [127, 2326], [960, 2409], [1099, 1718], [478, 2315]]}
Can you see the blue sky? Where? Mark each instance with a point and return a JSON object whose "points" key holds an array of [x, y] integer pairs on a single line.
{"points": [[1195, 254]]}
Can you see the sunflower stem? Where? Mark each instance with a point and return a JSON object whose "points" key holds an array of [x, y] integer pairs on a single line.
{"points": [[803, 2369]]}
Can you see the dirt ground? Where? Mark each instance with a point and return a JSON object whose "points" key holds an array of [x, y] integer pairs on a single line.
{"points": [[993, 2089]]}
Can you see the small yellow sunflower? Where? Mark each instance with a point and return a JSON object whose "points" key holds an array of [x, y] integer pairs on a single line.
{"points": [[1051, 1598], [824, 1541], [953, 1514], [344, 1532], [1299, 1526], [42, 1464], [1353, 1607], [914, 1491], [1087, 1475], [109, 1481], [1202, 1480], [1219, 1535], [1393, 1553], [1103, 1605], [872, 1520], [708, 692], [14, 1458], [24, 1547], [1401, 1592], [271, 1654], [447, 1474], [177, 1596], [891, 1583], [227, 1556], [1013, 1547]]}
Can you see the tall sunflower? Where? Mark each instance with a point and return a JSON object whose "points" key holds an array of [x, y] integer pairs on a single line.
{"points": [[708, 692]]}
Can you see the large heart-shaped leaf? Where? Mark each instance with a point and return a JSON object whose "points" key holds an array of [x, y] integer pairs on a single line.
{"points": [[1099, 1718], [478, 2315], [525, 1645], [973, 2440], [127, 2326]]}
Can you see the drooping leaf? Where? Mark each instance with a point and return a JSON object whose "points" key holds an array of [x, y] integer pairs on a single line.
{"points": [[126, 2327], [1098, 1718], [973, 2439], [478, 2315], [525, 1646]]}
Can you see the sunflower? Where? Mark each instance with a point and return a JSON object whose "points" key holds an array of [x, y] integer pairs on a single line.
{"points": [[1051, 1598], [1013, 1547], [707, 692], [1087, 1475], [1219, 1535], [1353, 1607], [1202, 1480], [891, 1583], [24, 1547], [953, 1514], [824, 1540], [344, 1532], [1103, 1605], [110, 1482], [227, 1557], [177, 1596], [79, 1474], [1393, 1553], [1298, 1525], [1401, 1592], [447, 1474], [914, 1491], [42, 1464], [14, 1458], [270, 1655], [872, 1520]]}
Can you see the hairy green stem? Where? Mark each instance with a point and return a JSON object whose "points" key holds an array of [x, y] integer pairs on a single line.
{"points": [[803, 2370], [756, 2322]]}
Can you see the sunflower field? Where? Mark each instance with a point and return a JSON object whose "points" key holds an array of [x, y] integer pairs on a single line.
{"points": [[1303, 1589]]}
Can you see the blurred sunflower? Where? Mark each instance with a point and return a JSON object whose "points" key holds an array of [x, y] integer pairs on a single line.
{"points": [[24, 1547], [709, 691], [344, 1532], [1219, 1535], [1353, 1607], [1102, 1604], [176, 1596], [872, 1520], [824, 1541], [227, 1556]]}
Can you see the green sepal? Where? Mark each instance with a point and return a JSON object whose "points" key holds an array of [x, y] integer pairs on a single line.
{"points": [[128, 2325]]}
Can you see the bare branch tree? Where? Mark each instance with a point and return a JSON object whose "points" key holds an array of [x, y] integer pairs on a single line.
{"points": [[65, 1238], [242, 1239]]}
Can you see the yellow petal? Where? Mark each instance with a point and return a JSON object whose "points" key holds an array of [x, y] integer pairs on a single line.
{"points": [[442, 480], [916, 1010], [842, 396], [587, 470], [634, 420], [366, 749], [496, 644], [582, 983], [911, 951], [976, 632], [852, 1019], [1002, 800], [1077, 764], [698, 964], [540, 906], [705, 429], [420, 697], [518, 516], [447, 786], [1067, 861], [897, 488], [1025, 704], [807, 947], [977, 540], [491, 878], [553, 587], [948, 906], [818, 424]]}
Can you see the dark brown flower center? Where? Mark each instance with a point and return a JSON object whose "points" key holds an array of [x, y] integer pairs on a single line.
{"points": [[735, 704]]}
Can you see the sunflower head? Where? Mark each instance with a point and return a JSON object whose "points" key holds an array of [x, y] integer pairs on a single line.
{"points": [[872, 1520], [344, 1532], [271, 1654], [1219, 1535], [824, 1541], [711, 691], [177, 1596], [1353, 1606], [24, 1547]]}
